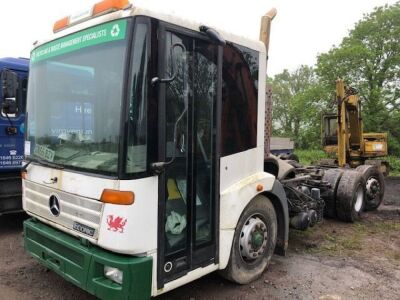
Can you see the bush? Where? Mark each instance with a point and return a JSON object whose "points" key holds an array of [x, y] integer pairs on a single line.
{"points": [[307, 157], [394, 163]]}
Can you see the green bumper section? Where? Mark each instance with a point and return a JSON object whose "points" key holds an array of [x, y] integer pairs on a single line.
{"points": [[83, 265]]}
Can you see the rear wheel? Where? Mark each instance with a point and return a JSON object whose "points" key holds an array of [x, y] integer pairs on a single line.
{"points": [[374, 184], [253, 243], [332, 176], [382, 165], [350, 196]]}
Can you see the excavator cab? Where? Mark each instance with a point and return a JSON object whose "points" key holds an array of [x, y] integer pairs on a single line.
{"points": [[329, 133]]}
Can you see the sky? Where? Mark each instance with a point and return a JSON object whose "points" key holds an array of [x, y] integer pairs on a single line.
{"points": [[301, 30]]}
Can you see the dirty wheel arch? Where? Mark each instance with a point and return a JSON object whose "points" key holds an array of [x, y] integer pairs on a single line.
{"points": [[253, 243]]}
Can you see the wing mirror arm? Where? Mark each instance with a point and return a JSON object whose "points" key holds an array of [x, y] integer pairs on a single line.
{"points": [[159, 167], [156, 80]]}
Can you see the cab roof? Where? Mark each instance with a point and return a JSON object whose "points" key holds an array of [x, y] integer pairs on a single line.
{"points": [[20, 64], [169, 18]]}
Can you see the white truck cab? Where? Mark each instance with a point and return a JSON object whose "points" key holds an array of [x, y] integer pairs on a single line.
{"points": [[145, 142]]}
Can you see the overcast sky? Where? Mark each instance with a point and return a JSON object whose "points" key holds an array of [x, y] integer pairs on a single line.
{"points": [[301, 30]]}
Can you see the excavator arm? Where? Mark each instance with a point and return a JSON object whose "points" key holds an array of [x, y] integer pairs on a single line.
{"points": [[342, 133], [349, 130]]}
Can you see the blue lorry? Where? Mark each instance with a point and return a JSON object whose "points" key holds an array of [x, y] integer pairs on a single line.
{"points": [[13, 91]]}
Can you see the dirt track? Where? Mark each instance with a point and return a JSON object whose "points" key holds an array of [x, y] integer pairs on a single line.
{"points": [[332, 261]]}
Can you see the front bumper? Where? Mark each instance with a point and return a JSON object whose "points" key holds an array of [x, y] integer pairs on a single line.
{"points": [[83, 265]]}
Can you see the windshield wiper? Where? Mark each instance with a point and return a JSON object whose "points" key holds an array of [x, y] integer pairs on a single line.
{"points": [[42, 162], [76, 155]]}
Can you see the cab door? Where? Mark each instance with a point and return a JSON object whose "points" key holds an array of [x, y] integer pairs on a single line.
{"points": [[187, 144]]}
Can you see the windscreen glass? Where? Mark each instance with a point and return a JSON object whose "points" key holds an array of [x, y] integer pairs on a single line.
{"points": [[75, 97]]}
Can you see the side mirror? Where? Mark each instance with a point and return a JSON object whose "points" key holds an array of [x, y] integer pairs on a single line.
{"points": [[9, 106], [9, 84], [213, 35]]}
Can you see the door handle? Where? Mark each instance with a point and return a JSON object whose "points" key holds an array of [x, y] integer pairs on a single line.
{"points": [[158, 167]]}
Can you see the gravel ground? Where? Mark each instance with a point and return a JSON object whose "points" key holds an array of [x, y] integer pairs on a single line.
{"points": [[331, 261]]}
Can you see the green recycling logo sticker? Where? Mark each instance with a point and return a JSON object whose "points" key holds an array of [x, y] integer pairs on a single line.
{"points": [[115, 30], [104, 33]]}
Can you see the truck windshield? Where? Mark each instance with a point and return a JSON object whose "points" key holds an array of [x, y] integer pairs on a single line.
{"points": [[75, 97]]}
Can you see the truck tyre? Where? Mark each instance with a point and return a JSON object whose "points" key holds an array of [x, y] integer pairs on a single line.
{"points": [[374, 186], [253, 243], [332, 176], [350, 196], [382, 165]]}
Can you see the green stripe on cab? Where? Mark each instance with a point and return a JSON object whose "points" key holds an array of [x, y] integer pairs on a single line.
{"points": [[104, 33]]}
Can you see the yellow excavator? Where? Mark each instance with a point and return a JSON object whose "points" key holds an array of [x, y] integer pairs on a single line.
{"points": [[343, 137]]}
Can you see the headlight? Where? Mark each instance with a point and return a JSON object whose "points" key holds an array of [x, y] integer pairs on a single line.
{"points": [[114, 274]]}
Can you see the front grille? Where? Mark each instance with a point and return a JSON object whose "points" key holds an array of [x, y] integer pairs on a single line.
{"points": [[73, 208]]}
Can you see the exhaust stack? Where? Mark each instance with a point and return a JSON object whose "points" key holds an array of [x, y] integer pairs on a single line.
{"points": [[265, 29]]}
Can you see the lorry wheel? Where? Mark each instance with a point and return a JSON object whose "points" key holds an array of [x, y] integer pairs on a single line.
{"points": [[332, 176], [374, 185], [350, 196], [253, 243], [382, 165]]}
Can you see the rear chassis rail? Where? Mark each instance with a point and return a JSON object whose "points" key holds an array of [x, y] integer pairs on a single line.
{"points": [[303, 191]]}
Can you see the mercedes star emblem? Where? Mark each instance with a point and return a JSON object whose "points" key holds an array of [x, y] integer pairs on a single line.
{"points": [[54, 205]]}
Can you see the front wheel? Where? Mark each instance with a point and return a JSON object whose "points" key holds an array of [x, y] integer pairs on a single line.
{"points": [[253, 243]]}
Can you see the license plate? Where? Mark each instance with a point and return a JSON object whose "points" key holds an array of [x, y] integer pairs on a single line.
{"points": [[83, 228]]}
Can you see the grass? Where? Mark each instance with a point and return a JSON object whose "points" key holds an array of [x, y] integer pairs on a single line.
{"points": [[394, 163], [385, 227], [307, 157]]}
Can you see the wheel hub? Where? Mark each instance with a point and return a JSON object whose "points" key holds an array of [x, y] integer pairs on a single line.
{"points": [[253, 238], [373, 187]]}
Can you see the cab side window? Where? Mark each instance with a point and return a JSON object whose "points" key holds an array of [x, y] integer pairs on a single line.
{"points": [[239, 99]]}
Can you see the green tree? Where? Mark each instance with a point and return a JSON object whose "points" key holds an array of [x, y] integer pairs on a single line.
{"points": [[298, 100], [369, 59]]}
